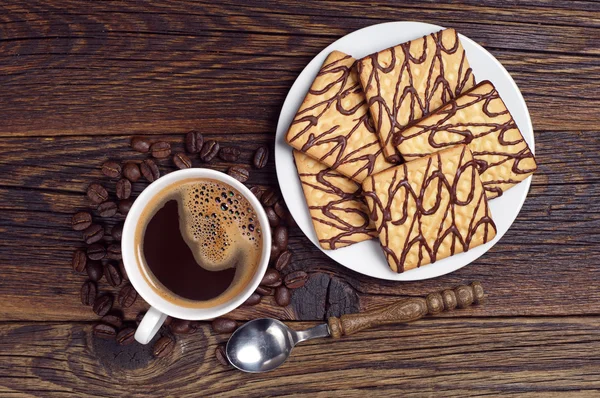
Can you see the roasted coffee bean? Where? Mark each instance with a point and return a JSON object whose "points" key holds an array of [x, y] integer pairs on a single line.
{"points": [[123, 188], [240, 173], [112, 275], [150, 170], [131, 171], [127, 296], [221, 355], [81, 220], [108, 238], [107, 209], [209, 150], [161, 150], [104, 331], [88, 293], [265, 291], [261, 156], [163, 347], [123, 271], [126, 336], [271, 277], [113, 251], [111, 169], [280, 236], [272, 217], [275, 250], [103, 305], [283, 260], [94, 270], [257, 191], [125, 206], [193, 142], [79, 261], [269, 197], [295, 279], [92, 234], [117, 231], [282, 296], [112, 320], [139, 144], [96, 193], [223, 325], [254, 299], [229, 154], [180, 326], [182, 161], [96, 252], [280, 209]]}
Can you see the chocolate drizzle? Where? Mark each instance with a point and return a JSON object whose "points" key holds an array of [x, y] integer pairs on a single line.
{"points": [[333, 123], [334, 201], [489, 129], [407, 203], [404, 69]]}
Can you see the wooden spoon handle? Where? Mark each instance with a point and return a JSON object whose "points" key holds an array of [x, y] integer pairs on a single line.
{"points": [[407, 310]]}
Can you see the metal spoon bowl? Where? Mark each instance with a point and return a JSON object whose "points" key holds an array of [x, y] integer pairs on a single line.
{"points": [[265, 344]]}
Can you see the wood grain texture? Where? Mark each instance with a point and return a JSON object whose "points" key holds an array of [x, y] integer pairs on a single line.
{"points": [[78, 79], [431, 357]]}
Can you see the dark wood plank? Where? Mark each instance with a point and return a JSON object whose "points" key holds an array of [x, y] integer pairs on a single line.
{"points": [[545, 245], [432, 357]]}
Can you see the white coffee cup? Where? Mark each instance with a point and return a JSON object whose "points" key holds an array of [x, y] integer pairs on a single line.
{"points": [[160, 306]]}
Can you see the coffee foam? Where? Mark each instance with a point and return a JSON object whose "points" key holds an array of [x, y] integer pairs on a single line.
{"points": [[217, 223]]}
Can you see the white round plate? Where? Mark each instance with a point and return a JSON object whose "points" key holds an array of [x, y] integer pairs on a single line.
{"points": [[367, 257]]}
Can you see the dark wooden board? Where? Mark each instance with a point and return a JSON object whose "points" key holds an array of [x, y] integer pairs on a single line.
{"points": [[77, 80]]}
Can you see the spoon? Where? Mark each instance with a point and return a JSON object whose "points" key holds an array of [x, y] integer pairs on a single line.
{"points": [[265, 344]]}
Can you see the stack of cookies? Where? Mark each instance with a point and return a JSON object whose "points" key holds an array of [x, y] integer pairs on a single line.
{"points": [[405, 146]]}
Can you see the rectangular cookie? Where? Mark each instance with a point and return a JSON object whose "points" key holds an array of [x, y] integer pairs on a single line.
{"points": [[406, 82], [339, 213], [480, 119], [429, 209], [333, 124]]}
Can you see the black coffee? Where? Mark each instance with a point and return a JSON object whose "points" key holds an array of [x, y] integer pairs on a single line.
{"points": [[200, 242]]}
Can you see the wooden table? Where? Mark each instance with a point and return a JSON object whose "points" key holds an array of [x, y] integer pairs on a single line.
{"points": [[77, 80]]}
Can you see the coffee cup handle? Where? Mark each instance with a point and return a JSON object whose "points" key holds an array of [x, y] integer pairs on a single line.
{"points": [[150, 324]]}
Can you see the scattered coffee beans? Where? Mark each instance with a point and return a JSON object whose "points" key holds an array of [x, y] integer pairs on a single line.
{"points": [[117, 231], [182, 161], [163, 347], [229, 154], [283, 260], [88, 293], [111, 169], [112, 275], [107, 209], [221, 355], [272, 216], [261, 156], [126, 336], [271, 278], [113, 251], [79, 261], [275, 250], [282, 296], [97, 193], [280, 236], [150, 170], [131, 171], [125, 206], [180, 326], [96, 252], [265, 291], [92, 234], [94, 270], [193, 142], [139, 144], [295, 279], [103, 305], [123, 188], [127, 296], [223, 325], [104, 331], [161, 150], [239, 173], [254, 299], [269, 197], [209, 150], [112, 320], [257, 191], [280, 209], [81, 221]]}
